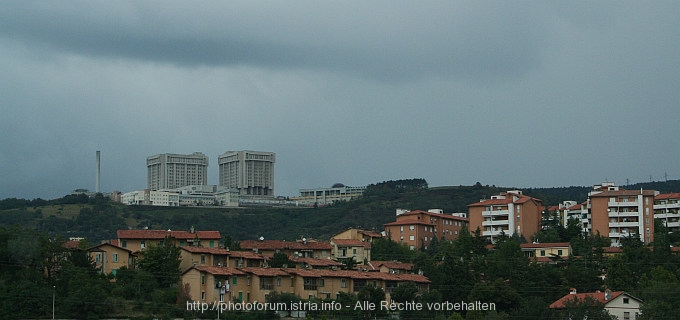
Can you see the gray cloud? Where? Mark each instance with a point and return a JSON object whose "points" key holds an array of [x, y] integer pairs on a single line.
{"points": [[513, 94]]}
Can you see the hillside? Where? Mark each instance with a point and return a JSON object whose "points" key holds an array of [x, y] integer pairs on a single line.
{"points": [[98, 219]]}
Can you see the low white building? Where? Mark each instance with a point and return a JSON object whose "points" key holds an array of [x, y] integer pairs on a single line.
{"points": [[150, 198], [324, 196], [618, 303]]}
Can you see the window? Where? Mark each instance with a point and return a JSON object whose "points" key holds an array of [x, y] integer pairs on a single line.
{"points": [[202, 258], [626, 316], [143, 244], [411, 227], [542, 253], [233, 280], [343, 283], [412, 238], [212, 243], [202, 279], [115, 257], [124, 244], [626, 301], [202, 295], [559, 252]]}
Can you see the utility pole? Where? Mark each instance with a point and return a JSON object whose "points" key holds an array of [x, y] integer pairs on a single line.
{"points": [[54, 289]]}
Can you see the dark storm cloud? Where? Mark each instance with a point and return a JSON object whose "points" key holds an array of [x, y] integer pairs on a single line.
{"points": [[387, 40]]}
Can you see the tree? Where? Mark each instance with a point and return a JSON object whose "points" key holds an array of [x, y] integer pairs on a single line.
{"points": [[280, 259], [375, 296], [162, 262], [586, 308]]}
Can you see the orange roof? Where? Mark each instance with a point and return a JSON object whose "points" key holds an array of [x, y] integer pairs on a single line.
{"points": [[623, 193], [544, 245], [599, 296], [161, 234], [351, 243], [71, 244], [265, 272], [665, 196], [391, 265], [317, 262], [98, 247], [509, 198], [285, 245], [371, 234], [219, 271], [206, 250], [407, 222], [433, 214], [247, 255]]}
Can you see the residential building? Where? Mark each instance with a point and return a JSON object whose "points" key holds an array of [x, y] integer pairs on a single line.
{"points": [[203, 256], [240, 259], [109, 258], [212, 284], [170, 171], [618, 213], [394, 267], [137, 240], [293, 249], [417, 228], [509, 213], [546, 252], [324, 196], [620, 304], [667, 209], [358, 250], [358, 234], [250, 172]]}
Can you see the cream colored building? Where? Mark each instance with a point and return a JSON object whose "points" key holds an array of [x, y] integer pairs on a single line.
{"points": [[324, 196], [170, 171], [109, 258], [620, 304], [250, 172]]}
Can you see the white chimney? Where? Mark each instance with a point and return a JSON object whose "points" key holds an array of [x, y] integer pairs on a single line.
{"points": [[96, 186]]}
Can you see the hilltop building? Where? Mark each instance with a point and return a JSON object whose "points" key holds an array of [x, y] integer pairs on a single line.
{"points": [[170, 171], [324, 196], [249, 172], [508, 213]]}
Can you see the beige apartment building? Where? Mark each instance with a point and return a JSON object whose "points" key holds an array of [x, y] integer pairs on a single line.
{"points": [[417, 228], [618, 213], [667, 209]]}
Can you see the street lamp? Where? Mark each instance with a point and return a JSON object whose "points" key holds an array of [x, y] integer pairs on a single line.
{"points": [[54, 289]]}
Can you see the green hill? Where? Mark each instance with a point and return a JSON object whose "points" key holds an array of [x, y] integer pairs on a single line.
{"points": [[98, 219]]}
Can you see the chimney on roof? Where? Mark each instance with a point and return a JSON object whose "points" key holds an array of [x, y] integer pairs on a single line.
{"points": [[192, 230], [607, 295]]}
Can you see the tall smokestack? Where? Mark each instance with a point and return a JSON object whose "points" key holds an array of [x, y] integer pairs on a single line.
{"points": [[96, 187]]}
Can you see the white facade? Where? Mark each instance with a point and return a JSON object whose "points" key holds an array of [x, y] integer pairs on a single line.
{"points": [[150, 198], [250, 172], [170, 171], [667, 209], [323, 196]]}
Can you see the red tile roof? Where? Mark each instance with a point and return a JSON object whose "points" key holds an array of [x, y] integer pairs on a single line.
{"points": [[247, 255], [161, 234], [665, 196], [623, 193], [432, 214], [408, 222], [509, 198], [206, 250], [71, 244], [285, 245], [371, 234], [351, 243], [219, 271], [599, 296], [391, 265], [544, 245], [265, 272], [317, 262]]}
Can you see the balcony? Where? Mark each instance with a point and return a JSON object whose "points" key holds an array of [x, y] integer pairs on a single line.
{"points": [[494, 223], [495, 213], [612, 204], [622, 234], [624, 224], [624, 214], [494, 233]]}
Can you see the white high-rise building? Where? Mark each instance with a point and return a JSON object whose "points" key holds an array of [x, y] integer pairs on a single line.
{"points": [[170, 171], [251, 172]]}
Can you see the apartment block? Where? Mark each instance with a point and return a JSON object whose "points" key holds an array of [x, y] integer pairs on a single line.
{"points": [[250, 172], [137, 240], [170, 171], [417, 228], [618, 213], [667, 209], [508, 213]]}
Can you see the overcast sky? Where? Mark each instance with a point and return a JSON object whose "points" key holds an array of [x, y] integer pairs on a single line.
{"points": [[506, 93]]}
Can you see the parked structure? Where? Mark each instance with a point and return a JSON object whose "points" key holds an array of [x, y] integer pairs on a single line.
{"points": [[508, 213]]}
